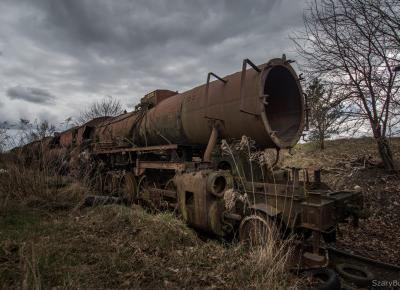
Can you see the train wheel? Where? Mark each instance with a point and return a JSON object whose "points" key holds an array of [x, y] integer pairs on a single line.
{"points": [[128, 187], [108, 186], [111, 183], [144, 195], [255, 230], [170, 185]]}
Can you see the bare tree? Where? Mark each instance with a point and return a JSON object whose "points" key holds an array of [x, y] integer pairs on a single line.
{"points": [[388, 10], [67, 123], [4, 138], [30, 132], [346, 43], [107, 107], [327, 114]]}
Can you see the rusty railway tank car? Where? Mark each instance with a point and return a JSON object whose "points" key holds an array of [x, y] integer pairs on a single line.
{"points": [[175, 151]]}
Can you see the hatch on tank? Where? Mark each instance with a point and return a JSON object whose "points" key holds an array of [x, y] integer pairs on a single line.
{"points": [[157, 96]]}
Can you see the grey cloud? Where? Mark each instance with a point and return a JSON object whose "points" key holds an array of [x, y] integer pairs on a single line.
{"points": [[5, 125], [30, 94], [143, 23], [148, 34], [81, 50]]}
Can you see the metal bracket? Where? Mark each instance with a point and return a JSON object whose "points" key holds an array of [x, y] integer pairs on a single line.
{"points": [[217, 77], [246, 62], [207, 86], [307, 111]]}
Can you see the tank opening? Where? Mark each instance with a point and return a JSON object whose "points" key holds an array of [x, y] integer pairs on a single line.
{"points": [[284, 110]]}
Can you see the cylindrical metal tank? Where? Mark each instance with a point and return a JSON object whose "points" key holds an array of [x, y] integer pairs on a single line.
{"points": [[262, 102], [265, 105]]}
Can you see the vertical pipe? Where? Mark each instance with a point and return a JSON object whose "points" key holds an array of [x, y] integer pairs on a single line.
{"points": [[211, 144]]}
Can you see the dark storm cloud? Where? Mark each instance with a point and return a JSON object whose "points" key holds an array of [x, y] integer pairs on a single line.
{"points": [[81, 50], [137, 24], [29, 94]]}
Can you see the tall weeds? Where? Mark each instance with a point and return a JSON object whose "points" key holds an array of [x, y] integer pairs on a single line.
{"points": [[268, 262], [29, 266], [268, 265], [38, 183]]}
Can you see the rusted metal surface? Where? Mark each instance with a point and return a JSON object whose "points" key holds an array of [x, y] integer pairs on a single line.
{"points": [[141, 166], [118, 131], [211, 144], [138, 149], [66, 138], [77, 135], [85, 132], [199, 207], [157, 96]]}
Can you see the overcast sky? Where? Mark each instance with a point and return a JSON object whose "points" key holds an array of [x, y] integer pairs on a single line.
{"points": [[58, 56]]}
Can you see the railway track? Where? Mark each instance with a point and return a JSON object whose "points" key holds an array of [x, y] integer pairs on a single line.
{"points": [[335, 269], [356, 271]]}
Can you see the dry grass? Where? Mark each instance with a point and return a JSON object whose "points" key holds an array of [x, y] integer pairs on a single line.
{"points": [[120, 247], [38, 187], [310, 156]]}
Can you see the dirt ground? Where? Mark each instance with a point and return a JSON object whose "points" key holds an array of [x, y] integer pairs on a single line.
{"points": [[349, 163]]}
